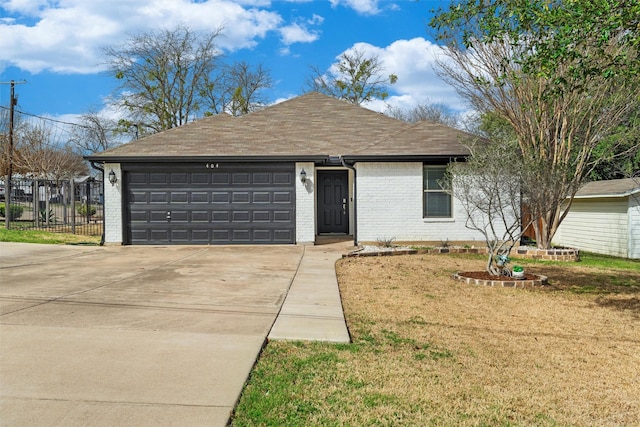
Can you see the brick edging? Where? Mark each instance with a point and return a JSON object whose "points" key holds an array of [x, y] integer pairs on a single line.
{"points": [[555, 254], [507, 283]]}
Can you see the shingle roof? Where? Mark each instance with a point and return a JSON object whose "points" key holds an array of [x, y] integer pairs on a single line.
{"points": [[309, 126], [609, 188]]}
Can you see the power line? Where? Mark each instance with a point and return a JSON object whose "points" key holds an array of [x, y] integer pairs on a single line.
{"points": [[47, 118]]}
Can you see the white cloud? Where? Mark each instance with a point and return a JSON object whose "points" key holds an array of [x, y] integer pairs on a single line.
{"points": [[297, 33], [25, 7], [364, 7], [413, 62], [67, 36]]}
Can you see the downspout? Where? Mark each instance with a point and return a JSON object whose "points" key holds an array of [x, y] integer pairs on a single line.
{"points": [[96, 167], [355, 200]]}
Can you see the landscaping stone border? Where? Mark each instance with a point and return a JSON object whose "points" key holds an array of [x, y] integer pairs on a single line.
{"points": [[554, 254], [507, 283]]}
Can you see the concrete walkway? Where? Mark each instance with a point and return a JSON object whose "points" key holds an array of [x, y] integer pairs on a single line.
{"points": [[312, 310]]}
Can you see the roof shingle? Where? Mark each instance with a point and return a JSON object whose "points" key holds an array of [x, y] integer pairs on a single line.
{"points": [[311, 125]]}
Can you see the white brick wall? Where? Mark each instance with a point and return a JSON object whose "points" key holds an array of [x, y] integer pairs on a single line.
{"points": [[113, 205], [389, 204], [305, 204]]}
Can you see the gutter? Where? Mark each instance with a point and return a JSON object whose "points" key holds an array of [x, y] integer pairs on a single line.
{"points": [[355, 200], [96, 167]]}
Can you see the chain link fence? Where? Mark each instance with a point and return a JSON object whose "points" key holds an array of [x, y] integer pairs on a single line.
{"points": [[65, 206]]}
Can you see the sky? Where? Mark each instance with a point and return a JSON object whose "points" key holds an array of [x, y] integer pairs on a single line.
{"points": [[56, 45]]}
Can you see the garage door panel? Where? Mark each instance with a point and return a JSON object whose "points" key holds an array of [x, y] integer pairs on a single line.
{"points": [[179, 235], [220, 197], [261, 197], [138, 197], [159, 235], [261, 178], [242, 235], [262, 216], [254, 204], [282, 197], [240, 216], [262, 235], [179, 178], [179, 216], [200, 236], [240, 178], [282, 236], [179, 197], [158, 178], [282, 178], [282, 216], [158, 216], [241, 197], [200, 216], [220, 216], [199, 197], [221, 236], [159, 197], [221, 178]]}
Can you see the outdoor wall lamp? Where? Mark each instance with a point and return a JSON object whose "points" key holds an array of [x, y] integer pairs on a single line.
{"points": [[112, 177], [303, 176]]}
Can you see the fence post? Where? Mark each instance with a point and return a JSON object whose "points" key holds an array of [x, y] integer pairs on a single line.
{"points": [[73, 205], [65, 202], [7, 201], [88, 201]]}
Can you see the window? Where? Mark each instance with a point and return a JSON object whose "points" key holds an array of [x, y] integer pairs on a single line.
{"points": [[437, 200]]}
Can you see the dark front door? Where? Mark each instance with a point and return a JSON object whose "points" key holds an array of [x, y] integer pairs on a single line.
{"points": [[333, 202]]}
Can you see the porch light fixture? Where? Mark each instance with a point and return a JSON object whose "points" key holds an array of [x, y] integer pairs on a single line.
{"points": [[303, 176], [112, 177]]}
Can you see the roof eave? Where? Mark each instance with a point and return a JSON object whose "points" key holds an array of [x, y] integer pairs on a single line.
{"points": [[609, 195], [194, 159], [404, 157]]}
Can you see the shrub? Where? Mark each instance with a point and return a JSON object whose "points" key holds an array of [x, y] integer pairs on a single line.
{"points": [[15, 211], [82, 210]]}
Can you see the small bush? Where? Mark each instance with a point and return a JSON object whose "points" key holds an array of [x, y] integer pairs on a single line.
{"points": [[15, 211], [385, 242], [82, 210]]}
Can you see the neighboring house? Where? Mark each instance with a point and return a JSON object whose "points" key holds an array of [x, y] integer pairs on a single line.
{"points": [[312, 165], [604, 218]]}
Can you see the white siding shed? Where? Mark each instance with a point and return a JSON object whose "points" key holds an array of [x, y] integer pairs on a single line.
{"points": [[604, 218]]}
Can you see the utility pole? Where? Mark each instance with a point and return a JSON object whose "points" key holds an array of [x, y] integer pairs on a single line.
{"points": [[7, 188]]}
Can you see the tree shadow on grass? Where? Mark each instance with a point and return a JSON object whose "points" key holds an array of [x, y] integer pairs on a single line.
{"points": [[615, 289]]}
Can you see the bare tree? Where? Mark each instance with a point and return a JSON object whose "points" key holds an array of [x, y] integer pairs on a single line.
{"points": [[39, 154], [162, 75], [488, 187], [433, 112], [356, 78], [557, 132], [237, 89], [94, 134]]}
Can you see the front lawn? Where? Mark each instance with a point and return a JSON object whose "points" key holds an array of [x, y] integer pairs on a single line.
{"points": [[36, 236], [428, 350]]}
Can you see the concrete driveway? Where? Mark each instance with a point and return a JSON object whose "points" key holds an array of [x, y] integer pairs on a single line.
{"points": [[133, 336]]}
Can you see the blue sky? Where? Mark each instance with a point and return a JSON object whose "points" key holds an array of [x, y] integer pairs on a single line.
{"points": [[55, 45]]}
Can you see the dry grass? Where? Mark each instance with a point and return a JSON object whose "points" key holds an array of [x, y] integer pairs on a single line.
{"points": [[428, 350]]}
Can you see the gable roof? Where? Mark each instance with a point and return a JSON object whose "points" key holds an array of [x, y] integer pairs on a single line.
{"points": [[610, 188], [310, 127]]}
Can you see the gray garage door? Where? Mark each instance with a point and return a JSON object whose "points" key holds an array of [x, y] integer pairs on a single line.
{"points": [[210, 204]]}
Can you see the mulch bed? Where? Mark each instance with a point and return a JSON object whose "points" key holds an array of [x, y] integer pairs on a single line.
{"points": [[484, 275]]}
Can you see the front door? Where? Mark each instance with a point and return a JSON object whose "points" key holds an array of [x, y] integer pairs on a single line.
{"points": [[333, 202]]}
